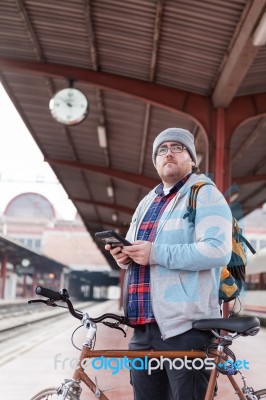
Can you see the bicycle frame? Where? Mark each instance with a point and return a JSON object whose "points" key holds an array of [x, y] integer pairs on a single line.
{"points": [[71, 389], [87, 352], [80, 375]]}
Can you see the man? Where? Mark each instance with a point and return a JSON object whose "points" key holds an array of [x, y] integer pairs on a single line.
{"points": [[173, 267]]}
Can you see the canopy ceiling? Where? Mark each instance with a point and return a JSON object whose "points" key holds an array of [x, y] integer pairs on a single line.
{"points": [[144, 66]]}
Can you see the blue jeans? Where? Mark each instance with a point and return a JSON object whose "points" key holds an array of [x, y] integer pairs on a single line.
{"points": [[169, 383]]}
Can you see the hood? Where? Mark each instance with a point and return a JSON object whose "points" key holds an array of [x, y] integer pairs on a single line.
{"points": [[185, 188], [192, 181]]}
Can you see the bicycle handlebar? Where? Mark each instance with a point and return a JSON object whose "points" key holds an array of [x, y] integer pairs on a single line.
{"points": [[119, 318], [51, 294], [64, 296]]}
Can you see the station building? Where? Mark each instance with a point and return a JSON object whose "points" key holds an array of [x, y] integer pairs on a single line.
{"points": [[38, 248]]}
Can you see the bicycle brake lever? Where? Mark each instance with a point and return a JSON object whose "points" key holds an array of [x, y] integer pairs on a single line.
{"points": [[121, 329], [48, 302], [115, 325], [36, 301]]}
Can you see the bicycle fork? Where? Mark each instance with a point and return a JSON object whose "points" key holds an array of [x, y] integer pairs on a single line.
{"points": [[80, 374], [247, 390], [70, 388]]}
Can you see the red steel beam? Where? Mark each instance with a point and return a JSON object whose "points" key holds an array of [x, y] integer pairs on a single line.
{"points": [[89, 222], [247, 210], [219, 149], [115, 173], [242, 180], [242, 150], [243, 109], [149, 182], [195, 105], [115, 207]]}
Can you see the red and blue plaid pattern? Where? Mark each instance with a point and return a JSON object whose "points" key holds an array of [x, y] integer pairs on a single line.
{"points": [[139, 297]]}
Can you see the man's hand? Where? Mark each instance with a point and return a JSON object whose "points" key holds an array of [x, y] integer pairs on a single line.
{"points": [[139, 252], [117, 254]]}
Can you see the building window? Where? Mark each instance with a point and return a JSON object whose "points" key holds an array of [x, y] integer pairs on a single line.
{"points": [[32, 243], [253, 243], [262, 244], [256, 281]]}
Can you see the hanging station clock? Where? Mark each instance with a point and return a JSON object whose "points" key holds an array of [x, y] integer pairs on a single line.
{"points": [[69, 106]]}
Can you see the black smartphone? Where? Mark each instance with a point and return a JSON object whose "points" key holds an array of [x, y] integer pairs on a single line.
{"points": [[112, 238]]}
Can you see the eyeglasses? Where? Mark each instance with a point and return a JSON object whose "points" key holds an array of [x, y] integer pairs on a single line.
{"points": [[175, 148]]}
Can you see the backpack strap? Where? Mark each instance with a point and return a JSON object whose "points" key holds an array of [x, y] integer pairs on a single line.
{"points": [[243, 239], [191, 214], [237, 233], [192, 202]]}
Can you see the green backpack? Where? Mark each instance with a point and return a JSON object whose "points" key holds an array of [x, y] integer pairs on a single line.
{"points": [[232, 279]]}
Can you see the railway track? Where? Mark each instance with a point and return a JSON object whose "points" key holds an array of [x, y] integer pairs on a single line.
{"points": [[21, 333]]}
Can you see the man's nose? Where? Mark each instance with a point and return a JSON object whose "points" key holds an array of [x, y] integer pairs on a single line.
{"points": [[169, 152]]}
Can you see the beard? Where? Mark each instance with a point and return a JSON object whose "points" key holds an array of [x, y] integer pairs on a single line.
{"points": [[173, 171]]}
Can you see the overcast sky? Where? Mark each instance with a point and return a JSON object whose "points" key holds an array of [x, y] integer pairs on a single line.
{"points": [[22, 168]]}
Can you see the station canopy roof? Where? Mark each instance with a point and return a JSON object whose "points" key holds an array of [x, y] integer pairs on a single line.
{"points": [[16, 254], [144, 66]]}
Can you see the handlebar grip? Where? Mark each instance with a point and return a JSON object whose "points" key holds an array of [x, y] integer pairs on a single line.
{"points": [[51, 294]]}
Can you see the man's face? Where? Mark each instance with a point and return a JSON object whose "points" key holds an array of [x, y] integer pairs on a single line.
{"points": [[172, 167]]}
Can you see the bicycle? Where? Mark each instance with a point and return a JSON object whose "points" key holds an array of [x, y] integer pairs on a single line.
{"points": [[223, 357]]}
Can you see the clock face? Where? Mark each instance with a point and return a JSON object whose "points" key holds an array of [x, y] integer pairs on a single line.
{"points": [[69, 106]]}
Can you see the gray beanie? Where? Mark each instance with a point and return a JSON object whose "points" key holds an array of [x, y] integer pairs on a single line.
{"points": [[175, 135]]}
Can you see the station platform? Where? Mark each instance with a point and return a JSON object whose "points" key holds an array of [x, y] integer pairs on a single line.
{"points": [[19, 313], [45, 356]]}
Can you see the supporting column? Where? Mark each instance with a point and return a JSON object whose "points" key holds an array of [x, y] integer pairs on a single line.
{"points": [[219, 148], [222, 158], [34, 284], [3, 275], [222, 166], [91, 291], [227, 178], [24, 290]]}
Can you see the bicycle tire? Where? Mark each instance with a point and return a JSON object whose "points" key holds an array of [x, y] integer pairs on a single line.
{"points": [[48, 394], [260, 394]]}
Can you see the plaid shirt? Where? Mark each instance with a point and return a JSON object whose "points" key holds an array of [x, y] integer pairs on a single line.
{"points": [[139, 296]]}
